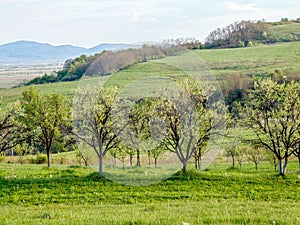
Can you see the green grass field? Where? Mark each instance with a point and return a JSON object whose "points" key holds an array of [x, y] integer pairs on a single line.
{"points": [[256, 61], [33, 194], [285, 32]]}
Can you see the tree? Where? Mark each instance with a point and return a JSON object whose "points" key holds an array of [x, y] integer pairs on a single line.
{"points": [[83, 153], [271, 158], [93, 110], [231, 147], [187, 116], [139, 130], [21, 150], [156, 153], [200, 150], [272, 111], [256, 155], [10, 129], [296, 152], [240, 156], [47, 116]]}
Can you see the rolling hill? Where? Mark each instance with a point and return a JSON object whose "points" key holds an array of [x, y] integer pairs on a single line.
{"points": [[257, 61], [34, 52]]}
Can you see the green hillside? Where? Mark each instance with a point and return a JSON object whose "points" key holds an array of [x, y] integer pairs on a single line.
{"points": [[285, 32], [261, 60], [254, 61]]}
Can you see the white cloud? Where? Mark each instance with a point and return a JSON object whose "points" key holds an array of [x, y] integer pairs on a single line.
{"points": [[241, 7], [135, 17], [152, 19]]}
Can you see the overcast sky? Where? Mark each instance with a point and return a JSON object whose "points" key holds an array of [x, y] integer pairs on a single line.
{"points": [[90, 22]]}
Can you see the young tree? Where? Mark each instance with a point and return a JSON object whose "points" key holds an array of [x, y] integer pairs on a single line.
{"points": [[22, 150], [47, 116], [272, 111], [231, 148], [271, 158], [93, 120], [199, 151], [240, 156], [256, 155], [139, 130], [187, 116]]}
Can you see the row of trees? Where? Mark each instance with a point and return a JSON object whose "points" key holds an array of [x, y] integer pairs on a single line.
{"points": [[107, 62], [238, 34], [184, 120]]}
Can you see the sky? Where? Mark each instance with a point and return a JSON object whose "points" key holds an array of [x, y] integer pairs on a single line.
{"points": [[88, 23]]}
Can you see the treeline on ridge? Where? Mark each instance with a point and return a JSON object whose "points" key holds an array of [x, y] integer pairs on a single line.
{"points": [[246, 33], [236, 35], [104, 63]]}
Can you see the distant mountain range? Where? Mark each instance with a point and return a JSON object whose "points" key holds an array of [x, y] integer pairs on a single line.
{"points": [[33, 52]]}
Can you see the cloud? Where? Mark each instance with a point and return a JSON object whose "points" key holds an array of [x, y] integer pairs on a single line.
{"points": [[135, 17], [241, 7]]}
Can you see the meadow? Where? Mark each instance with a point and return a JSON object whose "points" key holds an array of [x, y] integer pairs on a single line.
{"points": [[260, 60], [73, 194], [34, 194]]}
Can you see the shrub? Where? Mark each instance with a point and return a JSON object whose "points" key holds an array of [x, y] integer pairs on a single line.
{"points": [[39, 159]]}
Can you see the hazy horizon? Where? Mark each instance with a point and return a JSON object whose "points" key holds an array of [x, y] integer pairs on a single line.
{"points": [[87, 23]]}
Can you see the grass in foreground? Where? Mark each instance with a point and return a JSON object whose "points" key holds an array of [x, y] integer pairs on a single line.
{"points": [[77, 195]]}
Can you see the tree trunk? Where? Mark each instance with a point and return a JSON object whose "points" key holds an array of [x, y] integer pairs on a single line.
{"points": [[299, 158], [256, 166], [155, 162], [138, 162], [48, 157], [196, 162], [101, 163], [184, 167], [130, 159], [285, 165], [233, 161], [199, 163], [149, 158], [282, 167], [114, 160]]}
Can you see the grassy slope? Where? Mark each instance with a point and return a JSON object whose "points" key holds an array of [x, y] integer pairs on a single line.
{"points": [[64, 195], [286, 31], [260, 60]]}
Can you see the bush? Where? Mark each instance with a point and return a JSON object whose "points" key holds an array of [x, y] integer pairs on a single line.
{"points": [[39, 159]]}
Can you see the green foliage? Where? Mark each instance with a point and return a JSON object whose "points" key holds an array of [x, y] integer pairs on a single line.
{"points": [[107, 62], [46, 118], [10, 128], [40, 159], [272, 111], [238, 34], [93, 119]]}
